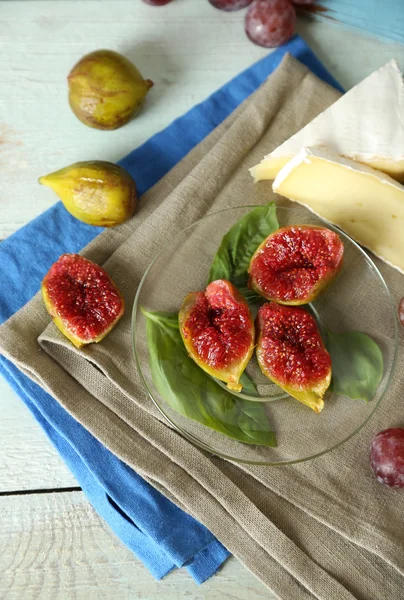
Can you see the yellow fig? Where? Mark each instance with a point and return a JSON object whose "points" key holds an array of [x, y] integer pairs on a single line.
{"points": [[96, 192], [106, 89]]}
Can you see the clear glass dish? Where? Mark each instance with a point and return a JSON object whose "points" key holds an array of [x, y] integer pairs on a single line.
{"points": [[183, 266]]}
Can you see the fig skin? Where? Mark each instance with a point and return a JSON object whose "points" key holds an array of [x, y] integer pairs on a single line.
{"points": [[231, 373], [311, 394], [59, 318], [317, 288], [96, 192], [106, 89]]}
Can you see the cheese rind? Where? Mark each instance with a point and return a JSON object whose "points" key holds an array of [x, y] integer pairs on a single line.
{"points": [[366, 125], [365, 203]]}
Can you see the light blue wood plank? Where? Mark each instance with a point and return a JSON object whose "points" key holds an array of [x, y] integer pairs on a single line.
{"points": [[381, 18]]}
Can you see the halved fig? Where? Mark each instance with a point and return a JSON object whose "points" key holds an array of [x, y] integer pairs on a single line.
{"points": [[82, 299], [218, 331], [291, 353], [295, 264]]}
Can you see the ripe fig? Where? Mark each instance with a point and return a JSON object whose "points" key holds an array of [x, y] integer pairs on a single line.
{"points": [[217, 329], [82, 299], [291, 353], [96, 192], [295, 264], [106, 89]]}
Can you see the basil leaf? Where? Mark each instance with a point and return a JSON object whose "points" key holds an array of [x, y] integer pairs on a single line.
{"points": [[248, 385], [357, 364], [251, 423], [188, 390], [240, 242]]}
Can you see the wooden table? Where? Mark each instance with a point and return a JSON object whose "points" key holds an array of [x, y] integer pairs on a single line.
{"points": [[52, 543]]}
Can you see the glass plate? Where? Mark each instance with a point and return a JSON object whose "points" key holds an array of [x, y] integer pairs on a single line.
{"points": [[183, 266]]}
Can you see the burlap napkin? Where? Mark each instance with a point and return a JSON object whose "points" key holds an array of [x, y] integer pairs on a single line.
{"points": [[322, 529]]}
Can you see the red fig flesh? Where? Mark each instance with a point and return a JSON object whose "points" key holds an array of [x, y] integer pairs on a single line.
{"points": [[82, 299], [295, 264], [291, 353], [218, 331]]}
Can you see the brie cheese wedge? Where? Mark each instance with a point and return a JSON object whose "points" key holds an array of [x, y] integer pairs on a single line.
{"points": [[365, 203], [366, 124]]}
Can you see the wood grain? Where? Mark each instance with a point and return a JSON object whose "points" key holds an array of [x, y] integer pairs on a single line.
{"points": [[55, 546], [27, 459]]}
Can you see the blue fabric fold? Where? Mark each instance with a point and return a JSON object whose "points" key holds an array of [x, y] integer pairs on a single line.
{"points": [[160, 534]]}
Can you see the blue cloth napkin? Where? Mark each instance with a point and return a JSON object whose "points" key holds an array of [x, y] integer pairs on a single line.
{"points": [[160, 534]]}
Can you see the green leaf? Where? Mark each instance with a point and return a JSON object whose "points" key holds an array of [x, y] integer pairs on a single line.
{"points": [[249, 386], [251, 423], [240, 242], [357, 364], [188, 390]]}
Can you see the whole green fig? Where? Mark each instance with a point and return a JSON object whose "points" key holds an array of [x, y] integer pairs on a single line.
{"points": [[106, 89], [96, 192]]}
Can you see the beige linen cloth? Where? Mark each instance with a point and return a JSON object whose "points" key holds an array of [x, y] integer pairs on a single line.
{"points": [[323, 529]]}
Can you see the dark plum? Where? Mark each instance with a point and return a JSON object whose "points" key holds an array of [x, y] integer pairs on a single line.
{"points": [[387, 457], [230, 5], [270, 23], [401, 311], [157, 2]]}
